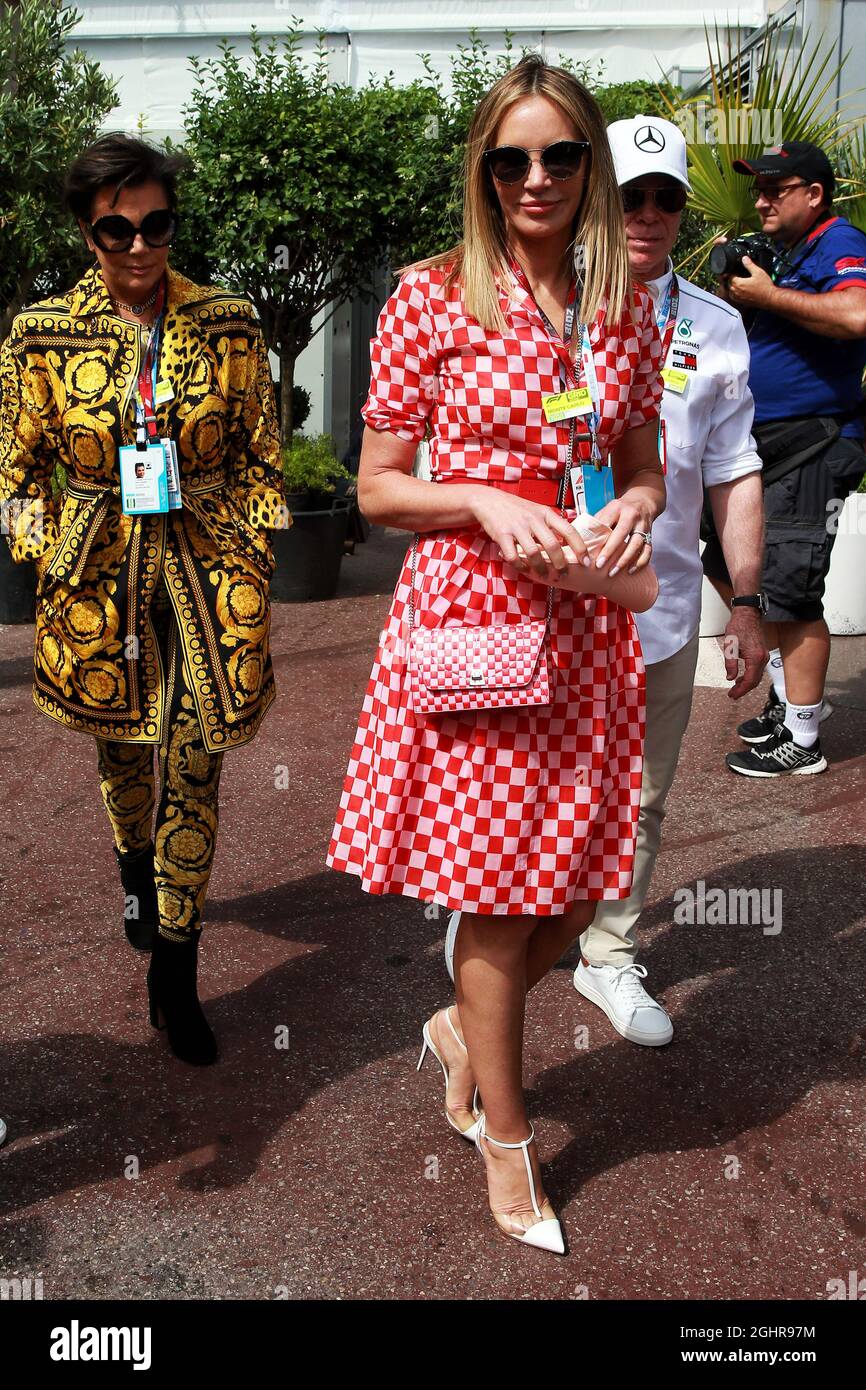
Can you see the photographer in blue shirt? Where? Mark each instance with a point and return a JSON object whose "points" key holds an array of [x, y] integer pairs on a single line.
{"points": [[802, 293]]}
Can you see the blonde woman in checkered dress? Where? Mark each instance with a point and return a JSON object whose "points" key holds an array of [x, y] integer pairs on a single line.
{"points": [[521, 818]]}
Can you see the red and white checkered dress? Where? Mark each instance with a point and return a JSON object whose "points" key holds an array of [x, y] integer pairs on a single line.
{"points": [[517, 810]]}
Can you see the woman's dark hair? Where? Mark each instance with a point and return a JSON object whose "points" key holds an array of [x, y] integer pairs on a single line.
{"points": [[122, 160]]}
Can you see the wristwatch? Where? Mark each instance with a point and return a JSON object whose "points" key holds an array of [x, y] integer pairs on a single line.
{"points": [[758, 601]]}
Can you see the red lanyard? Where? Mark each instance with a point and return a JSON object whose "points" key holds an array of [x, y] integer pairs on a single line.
{"points": [[148, 371]]}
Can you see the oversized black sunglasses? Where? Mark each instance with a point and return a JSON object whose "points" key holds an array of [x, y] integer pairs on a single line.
{"points": [[511, 163], [116, 234], [665, 199]]}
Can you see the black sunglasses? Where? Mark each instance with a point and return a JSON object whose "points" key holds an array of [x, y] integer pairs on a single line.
{"points": [[116, 234], [511, 164], [665, 199], [777, 191]]}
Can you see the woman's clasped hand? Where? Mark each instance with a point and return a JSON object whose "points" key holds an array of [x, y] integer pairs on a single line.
{"points": [[539, 541]]}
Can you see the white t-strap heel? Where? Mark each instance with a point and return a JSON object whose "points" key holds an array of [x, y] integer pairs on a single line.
{"points": [[546, 1234], [472, 1132]]}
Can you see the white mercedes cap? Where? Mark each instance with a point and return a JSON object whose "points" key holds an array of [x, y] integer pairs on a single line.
{"points": [[648, 145]]}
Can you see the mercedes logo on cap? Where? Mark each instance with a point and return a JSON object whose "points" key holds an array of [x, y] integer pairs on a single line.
{"points": [[649, 139]]}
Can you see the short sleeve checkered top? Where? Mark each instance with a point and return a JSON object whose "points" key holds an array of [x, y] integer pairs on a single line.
{"points": [[510, 811]]}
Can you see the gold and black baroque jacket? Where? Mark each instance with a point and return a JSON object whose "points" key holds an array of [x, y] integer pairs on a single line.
{"points": [[68, 373]]}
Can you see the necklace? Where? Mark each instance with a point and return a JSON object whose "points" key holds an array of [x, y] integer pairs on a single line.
{"points": [[136, 308]]}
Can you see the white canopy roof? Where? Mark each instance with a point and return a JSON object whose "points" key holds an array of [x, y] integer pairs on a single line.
{"points": [[146, 47]]}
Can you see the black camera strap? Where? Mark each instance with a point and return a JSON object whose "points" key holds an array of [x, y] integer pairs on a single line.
{"points": [[787, 261]]}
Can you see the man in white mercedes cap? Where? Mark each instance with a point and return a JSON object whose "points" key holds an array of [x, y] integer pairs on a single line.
{"points": [[705, 441]]}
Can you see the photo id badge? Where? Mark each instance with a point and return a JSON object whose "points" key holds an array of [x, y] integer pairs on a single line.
{"points": [[143, 479], [597, 486]]}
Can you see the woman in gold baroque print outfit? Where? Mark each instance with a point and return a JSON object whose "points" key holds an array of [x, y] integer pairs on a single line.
{"points": [[151, 629]]}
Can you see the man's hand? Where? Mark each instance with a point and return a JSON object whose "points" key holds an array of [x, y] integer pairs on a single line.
{"points": [[755, 291], [744, 641]]}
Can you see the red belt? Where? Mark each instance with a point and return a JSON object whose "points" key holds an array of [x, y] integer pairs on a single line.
{"points": [[542, 490]]}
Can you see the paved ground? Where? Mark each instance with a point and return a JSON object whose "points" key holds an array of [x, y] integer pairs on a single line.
{"points": [[730, 1164]]}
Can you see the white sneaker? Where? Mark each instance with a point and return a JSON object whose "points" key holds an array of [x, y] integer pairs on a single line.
{"points": [[617, 989], [450, 938]]}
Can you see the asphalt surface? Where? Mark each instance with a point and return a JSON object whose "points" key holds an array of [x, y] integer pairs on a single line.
{"points": [[727, 1165]]}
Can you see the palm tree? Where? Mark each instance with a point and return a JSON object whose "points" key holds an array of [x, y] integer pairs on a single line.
{"points": [[851, 169]]}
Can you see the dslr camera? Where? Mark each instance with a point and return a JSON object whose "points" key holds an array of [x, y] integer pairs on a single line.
{"points": [[727, 259]]}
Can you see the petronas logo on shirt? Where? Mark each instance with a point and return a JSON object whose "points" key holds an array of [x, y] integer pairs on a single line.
{"points": [[684, 328]]}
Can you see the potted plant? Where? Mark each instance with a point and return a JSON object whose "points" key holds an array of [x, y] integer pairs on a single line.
{"points": [[308, 553]]}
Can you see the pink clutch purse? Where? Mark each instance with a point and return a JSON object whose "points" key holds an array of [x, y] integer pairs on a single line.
{"points": [[504, 665], [479, 667], [476, 666]]}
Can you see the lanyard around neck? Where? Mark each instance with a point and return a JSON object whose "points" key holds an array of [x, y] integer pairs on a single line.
{"points": [[145, 405], [587, 360], [666, 316]]}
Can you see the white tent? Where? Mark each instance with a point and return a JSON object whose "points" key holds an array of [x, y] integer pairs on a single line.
{"points": [[147, 46]]}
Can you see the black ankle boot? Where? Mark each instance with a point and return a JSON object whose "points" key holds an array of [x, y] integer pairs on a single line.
{"points": [[171, 990], [136, 875]]}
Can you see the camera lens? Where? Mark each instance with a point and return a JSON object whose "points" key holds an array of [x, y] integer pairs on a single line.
{"points": [[719, 260]]}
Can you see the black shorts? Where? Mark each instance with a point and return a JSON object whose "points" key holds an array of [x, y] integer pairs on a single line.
{"points": [[800, 509]]}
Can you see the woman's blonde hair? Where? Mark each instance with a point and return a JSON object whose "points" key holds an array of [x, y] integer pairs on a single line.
{"points": [[599, 228]]}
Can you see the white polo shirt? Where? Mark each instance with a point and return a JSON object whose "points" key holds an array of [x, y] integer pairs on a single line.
{"points": [[709, 441]]}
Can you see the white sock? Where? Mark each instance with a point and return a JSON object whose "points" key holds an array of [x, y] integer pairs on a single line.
{"points": [[777, 673], [802, 720]]}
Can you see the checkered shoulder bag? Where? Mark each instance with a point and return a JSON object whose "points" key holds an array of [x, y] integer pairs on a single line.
{"points": [[479, 666]]}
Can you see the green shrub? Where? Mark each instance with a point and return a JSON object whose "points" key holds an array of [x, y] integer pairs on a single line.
{"points": [[310, 464]]}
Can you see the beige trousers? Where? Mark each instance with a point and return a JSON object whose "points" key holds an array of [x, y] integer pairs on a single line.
{"points": [[669, 687]]}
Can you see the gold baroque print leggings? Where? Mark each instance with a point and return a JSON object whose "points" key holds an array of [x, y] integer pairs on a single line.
{"points": [[187, 817]]}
